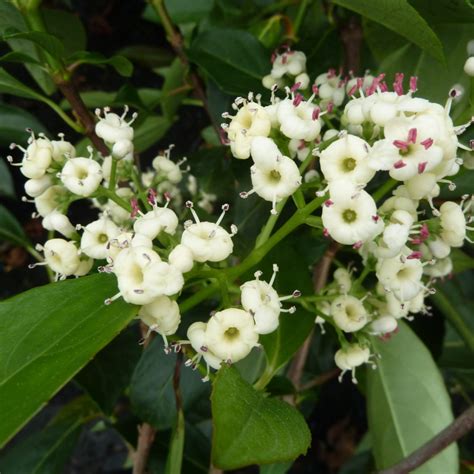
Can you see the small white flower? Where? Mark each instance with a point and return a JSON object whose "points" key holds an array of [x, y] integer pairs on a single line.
{"points": [[350, 357], [231, 334], [349, 313], [85, 265], [56, 221], [62, 150], [126, 240], [469, 66], [343, 279], [453, 224], [289, 62], [51, 199], [96, 237], [441, 268], [168, 169], [197, 338], [161, 315], [299, 119], [331, 88], [37, 157], [82, 176], [37, 186], [207, 241], [61, 256], [159, 219], [438, 247], [346, 158], [383, 325], [113, 128], [181, 257], [350, 215]]}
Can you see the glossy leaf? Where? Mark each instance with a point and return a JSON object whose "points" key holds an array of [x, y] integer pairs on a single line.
{"points": [[121, 64], [108, 374], [234, 59], [67, 27], [17, 57], [150, 131], [250, 428], [11, 230], [47, 335], [407, 403], [151, 390], [10, 85], [48, 450], [401, 17], [174, 81], [45, 41], [6, 183], [13, 124]]}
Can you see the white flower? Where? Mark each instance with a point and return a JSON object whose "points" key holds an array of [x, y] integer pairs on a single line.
{"points": [[207, 241], [197, 337], [350, 357], [402, 276], [408, 148], [168, 169], [161, 315], [349, 313], [469, 66], [116, 212], [37, 186], [62, 149], [331, 88], [56, 221], [343, 279], [181, 257], [61, 256], [298, 149], [453, 224], [422, 186], [126, 240], [346, 158], [250, 121], [37, 157], [441, 268], [85, 265], [96, 237], [438, 247], [159, 219], [231, 334], [350, 215], [113, 128], [299, 119], [289, 62], [383, 325], [122, 149], [51, 199], [261, 300], [82, 176], [276, 183]]}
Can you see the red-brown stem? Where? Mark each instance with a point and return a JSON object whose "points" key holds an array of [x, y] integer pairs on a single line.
{"points": [[71, 94], [456, 430]]}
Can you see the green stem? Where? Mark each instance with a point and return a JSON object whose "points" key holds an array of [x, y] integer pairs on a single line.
{"points": [[442, 301], [74, 125], [113, 197], [113, 175], [384, 189]]}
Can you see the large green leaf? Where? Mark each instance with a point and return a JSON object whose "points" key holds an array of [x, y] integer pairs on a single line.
{"points": [[6, 182], [10, 85], [46, 335], [445, 11], [13, 124], [48, 43], [107, 375], [120, 63], [234, 59], [401, 17], [407, 403], [150, 131], [250, 428], [174, 80], [48, 450], [151, 390], [11, 230]]}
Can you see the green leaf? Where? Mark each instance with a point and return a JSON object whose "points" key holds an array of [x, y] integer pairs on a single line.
{"points": [[47, 335], [147, 56], [151, 390], [45, 41], [10, 85], [445, 11], [121, 64], [280, 468], [150, 131], [67, 27], [17, 57], [107, 375], [407, 403], [184, 11], [48, 450], [11, 230], [412, 61], [11, 18], [6, 182], [175, 453], [461, 261], [13, 124], [250, 428], [174, 80], [401, 17], [234, 59]]}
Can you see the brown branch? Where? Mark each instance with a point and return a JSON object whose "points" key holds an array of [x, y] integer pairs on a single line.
{"points": [[71, 94], [146, 432], [457, 429], [320, 277], [351, 36], [176, 41]]}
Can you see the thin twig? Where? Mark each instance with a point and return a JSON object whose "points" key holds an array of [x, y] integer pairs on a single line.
{"points": [[457, 429], [321, 273], [146, 432], [176, 41]]}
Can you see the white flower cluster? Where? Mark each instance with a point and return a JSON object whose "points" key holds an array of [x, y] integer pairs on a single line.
{"points": [[231, 334]]}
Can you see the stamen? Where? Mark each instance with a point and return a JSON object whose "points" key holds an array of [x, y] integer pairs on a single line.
{"points": [[427, 143], [190, 206], [113, 298], [224, 208]]}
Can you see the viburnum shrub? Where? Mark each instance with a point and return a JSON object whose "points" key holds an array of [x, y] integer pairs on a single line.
{"points": [[338, 219]]}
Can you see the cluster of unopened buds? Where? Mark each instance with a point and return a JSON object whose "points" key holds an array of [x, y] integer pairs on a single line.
{"points": [[405, 238]]}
